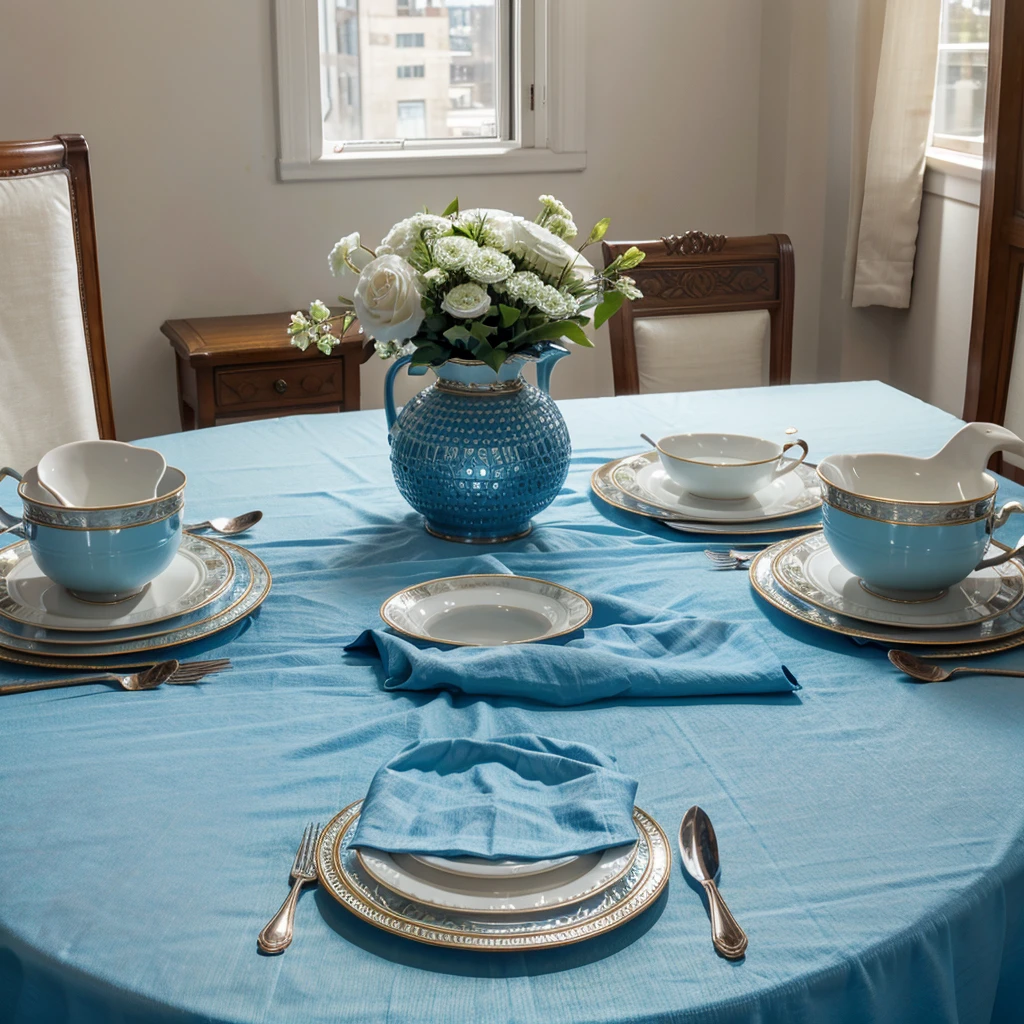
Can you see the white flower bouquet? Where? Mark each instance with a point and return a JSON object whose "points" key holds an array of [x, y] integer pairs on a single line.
{"points": [[471, 284]]}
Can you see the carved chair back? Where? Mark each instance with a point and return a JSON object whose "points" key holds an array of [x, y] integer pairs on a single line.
{"points": [[717, 312], [53, 362]]}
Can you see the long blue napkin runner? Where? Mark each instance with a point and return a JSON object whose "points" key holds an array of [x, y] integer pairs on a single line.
{"points": [[510, 796], [626, 650]]}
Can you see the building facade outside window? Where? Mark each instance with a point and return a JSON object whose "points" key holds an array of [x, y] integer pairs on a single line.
{"points": [[958, 121]]}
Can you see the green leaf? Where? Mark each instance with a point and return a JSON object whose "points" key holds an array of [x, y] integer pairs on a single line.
{"points": [[509, 315], [481, 331], [457, 333], [552, 331], [608, 307], [491, 356], [451, 208], [599, 230], [429, 353], [459, 229], [342, 301]]}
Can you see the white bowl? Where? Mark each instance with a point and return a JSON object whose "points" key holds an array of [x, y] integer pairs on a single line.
{"points": [[725, 466], [101, 474]]}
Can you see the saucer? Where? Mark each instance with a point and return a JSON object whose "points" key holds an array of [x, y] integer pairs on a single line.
{"points": [[200, 572], [644, 478], [809, 570], [762, 578], [574, 881], [486, 610]]}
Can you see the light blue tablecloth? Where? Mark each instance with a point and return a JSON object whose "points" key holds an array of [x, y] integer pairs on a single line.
{"points": [[871, 831]]}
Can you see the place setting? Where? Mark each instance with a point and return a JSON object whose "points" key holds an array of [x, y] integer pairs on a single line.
{"points": [[107, 575], [906, 554], [715, 484], [507, 843]]}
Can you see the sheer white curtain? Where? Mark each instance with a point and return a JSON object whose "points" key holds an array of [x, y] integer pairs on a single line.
{"points": [[884, 223]]}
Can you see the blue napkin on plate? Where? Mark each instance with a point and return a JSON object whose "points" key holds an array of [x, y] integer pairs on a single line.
{"points": [[625, 651], [509, 796]]}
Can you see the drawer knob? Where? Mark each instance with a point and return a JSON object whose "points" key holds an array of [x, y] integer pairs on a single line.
{"points": [[280, 385]]}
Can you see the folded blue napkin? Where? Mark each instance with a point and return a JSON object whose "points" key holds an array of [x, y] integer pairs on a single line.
{"points": [[625, 651], [509, 796]]}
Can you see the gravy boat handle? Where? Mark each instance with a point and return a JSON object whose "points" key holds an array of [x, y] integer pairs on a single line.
{"points": [[6, 519], [999, 519]]}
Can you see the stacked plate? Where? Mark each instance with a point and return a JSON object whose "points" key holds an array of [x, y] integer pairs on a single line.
{"points": [[982, 614], [471, 903], [209, 586], [639, 484]]}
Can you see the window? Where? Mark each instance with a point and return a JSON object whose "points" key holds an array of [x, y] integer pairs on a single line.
{"points": [[958, 120], [412, 119], [485, 107]]}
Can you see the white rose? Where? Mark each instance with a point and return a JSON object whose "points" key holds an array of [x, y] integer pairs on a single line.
{"points": [[466, 301], [387, 299], [546, 251]]}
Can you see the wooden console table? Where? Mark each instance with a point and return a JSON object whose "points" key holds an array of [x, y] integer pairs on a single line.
{"points": [[244, 367]]}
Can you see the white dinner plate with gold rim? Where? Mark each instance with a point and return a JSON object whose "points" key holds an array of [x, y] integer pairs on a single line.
{"points": [[643, 477], [341, 875], [602, 486], [486, 610], [479, 867], [763, 580], [65, 656], [570, 883], [809, 570], [200, 572], [241, 583]]}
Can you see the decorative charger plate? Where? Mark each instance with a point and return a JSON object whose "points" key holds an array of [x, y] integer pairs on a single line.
{"points": [[486, 610], [570, 883], [341, 875], [47, 655], [601, 484], [809, 570], [200, 572], [643, 477], [763, 580]]}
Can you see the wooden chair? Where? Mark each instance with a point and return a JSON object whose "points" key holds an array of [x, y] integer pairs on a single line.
{"points": [[717, 312], [54, 382]]}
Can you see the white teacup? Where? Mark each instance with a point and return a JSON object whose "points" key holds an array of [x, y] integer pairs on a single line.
{"points": [[725, 466], [101, 474]]}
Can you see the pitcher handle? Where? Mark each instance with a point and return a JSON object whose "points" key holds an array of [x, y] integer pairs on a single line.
{"points": [[546, 363], [791, 464], [7, 521], [389, 387], [999, 519]]}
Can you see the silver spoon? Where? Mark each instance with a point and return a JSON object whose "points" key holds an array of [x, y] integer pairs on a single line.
{"points": [[925, 672], [699, 849], [228, 525], [153, 677], [653, 444]]}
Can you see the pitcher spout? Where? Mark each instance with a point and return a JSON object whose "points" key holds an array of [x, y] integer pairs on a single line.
{"points": [[970, 448]]}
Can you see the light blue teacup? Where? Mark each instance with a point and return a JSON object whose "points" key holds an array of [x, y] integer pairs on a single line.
{"points": [[101, 554]]}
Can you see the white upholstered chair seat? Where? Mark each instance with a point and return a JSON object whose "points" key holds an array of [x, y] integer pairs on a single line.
{"points": [[47, 393], [702, 351]]}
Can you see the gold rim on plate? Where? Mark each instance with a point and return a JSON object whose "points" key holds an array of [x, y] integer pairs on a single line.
{"points": [[333, 878]]}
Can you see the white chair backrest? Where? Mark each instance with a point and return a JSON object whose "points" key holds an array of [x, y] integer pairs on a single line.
{"points": [[702, 351], [46, 392]]}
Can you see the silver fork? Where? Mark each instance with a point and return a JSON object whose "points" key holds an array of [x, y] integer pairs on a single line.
{"points": [[731, 559], [276, 937], [150, 679]]}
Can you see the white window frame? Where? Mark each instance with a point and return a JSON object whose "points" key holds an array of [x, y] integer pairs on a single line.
{"points": [[548, 138]]}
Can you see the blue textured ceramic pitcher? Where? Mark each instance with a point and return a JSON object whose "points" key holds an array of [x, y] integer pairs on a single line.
{"points": [[479, 452]]}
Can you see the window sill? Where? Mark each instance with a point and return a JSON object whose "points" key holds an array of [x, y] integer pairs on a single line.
{"points": [[418, 164], [953, 175]]}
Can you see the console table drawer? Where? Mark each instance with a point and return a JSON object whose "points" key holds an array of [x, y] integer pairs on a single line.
{"points": [[284, 384]]}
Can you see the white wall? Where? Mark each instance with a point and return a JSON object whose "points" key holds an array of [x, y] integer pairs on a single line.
{"points": [[176, 100]]}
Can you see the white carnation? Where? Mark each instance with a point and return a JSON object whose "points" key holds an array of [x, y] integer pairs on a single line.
{"points": [[453, 252], [627, 286], [342, 253], [466, 301], [526, 287], [402, 238], [489, 266], [435, 276]]}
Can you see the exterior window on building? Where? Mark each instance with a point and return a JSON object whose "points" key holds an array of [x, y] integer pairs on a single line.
{"points": [[412, 119], [410, 39], [962, 76], [411, 70]]}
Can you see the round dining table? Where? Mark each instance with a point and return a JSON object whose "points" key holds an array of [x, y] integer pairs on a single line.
{"points": [[871, 830]]}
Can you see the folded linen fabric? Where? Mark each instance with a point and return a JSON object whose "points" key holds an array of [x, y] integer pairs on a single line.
{"points": [[510, 796], [625, 651]]}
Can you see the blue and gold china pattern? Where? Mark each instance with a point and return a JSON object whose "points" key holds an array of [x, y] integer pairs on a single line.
{"points": [[479, 453]]}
